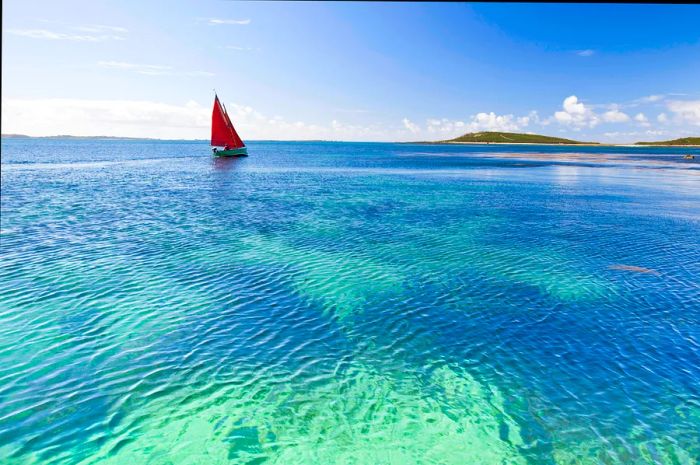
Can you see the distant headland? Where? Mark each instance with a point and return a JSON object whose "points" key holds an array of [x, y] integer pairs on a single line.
{"points": [[520, 138], [684, 141]]}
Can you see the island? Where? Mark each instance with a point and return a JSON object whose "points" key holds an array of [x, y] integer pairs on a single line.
{"points": [[684, 141], [511, 138]]}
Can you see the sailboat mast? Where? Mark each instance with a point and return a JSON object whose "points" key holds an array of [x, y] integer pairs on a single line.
{"points": [[229, 124]]}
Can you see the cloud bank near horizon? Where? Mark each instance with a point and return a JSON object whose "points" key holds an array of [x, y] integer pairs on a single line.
{"points": [[190, 120]]}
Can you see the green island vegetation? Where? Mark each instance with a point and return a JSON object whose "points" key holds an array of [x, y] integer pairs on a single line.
{"points": [[512, 138], [681, 141]]}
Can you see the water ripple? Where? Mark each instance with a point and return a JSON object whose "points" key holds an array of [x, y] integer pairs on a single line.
{"points": [[348, 303]]}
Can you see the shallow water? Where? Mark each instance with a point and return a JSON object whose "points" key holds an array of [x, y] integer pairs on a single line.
{"points": [[348, 303]]}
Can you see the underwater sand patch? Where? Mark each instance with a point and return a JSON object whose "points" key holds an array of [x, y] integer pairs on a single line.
{"points": [[636, 269]]}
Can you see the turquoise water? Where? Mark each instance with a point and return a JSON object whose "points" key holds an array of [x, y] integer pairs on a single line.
{"points": [[346, 303]]}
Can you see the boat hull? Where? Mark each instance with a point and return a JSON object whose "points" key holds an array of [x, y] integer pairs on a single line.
{"points": [[241, 152]]}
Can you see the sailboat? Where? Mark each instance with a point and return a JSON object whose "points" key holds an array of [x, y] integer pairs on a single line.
{"points": [[223, 133]]}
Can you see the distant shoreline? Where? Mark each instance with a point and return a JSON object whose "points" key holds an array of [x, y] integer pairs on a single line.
{"points": [[591, 144], [584, 144], [510, 138], [553, 144], [67, 136]]}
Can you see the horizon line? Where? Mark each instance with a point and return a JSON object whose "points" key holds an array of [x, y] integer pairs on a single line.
{"points": [[440, 142]]}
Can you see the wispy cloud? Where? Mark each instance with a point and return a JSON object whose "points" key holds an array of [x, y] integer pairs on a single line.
{"points": [[412, 127], [195, 73], [151, 70], [46, 34], [97, 28], [139, 68], [651, 98], [220, 21], [256, 125], [351, 110], [585, 53], [647, 100], [241, 49], [633, 135], [686, 111]]}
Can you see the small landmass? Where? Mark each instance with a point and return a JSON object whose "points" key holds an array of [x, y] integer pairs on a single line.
{"points": [[511, 138], [684, 141]]}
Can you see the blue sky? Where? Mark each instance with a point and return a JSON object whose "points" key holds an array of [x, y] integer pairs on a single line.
{"points": [[351, 71]]}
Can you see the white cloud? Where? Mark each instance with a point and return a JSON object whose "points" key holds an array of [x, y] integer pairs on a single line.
{"points": [[136, 118], [532, 117], [585, 53], [686, 111], [573, 106], [129, 118], [219, 21], [493, 122], [412, 127], [576, 114], [445, 128], [151, 70], [615, 116], [642, 120], [191, 120], [52, 35]]}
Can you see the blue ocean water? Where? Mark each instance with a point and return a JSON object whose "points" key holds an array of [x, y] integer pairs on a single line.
{"points": [[320, 303]]}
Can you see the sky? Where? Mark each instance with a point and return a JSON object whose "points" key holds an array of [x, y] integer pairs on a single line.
{"points": [[351, 71]]}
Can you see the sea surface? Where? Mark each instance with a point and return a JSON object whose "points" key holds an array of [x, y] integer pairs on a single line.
{"points": [[348, 303]]}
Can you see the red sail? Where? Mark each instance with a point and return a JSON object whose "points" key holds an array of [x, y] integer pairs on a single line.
{"points": [[222, 132], [237, 142]]}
